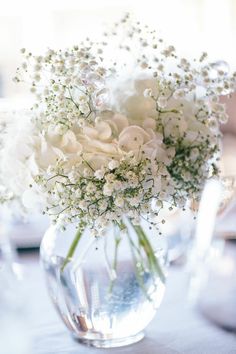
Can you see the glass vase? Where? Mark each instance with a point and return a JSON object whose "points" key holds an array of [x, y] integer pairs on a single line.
{"points": [[212, 264], [106, 289]]}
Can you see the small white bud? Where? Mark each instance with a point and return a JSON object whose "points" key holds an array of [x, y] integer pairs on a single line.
{"points": [[113, 164], [147, 93]]}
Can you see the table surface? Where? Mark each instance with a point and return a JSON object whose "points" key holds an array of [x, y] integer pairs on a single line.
{"points": [[177, 327]]}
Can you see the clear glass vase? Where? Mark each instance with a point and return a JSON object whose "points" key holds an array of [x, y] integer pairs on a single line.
{"points": [[212, 265], [107, 289]]}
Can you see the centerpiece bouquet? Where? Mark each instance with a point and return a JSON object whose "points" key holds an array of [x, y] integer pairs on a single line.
{"points": [[120, 129]]}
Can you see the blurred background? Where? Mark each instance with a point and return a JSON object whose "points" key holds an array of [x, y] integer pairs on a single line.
{"points": [[192, 26]]}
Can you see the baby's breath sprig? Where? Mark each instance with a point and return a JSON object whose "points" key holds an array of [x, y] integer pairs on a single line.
{"points": [[119, 125]]}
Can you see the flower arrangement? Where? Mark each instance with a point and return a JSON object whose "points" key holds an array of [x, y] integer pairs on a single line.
{"points": [[119, 130], [117, 134]]}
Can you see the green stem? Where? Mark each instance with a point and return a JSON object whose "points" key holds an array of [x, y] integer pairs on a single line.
{"points": [[147, 247], [138, 251], [114, 263], [138, 272], [72, 248], [117, 242]]}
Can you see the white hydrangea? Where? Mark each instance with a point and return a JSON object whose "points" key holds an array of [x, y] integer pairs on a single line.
{"points": [[100, 142]]}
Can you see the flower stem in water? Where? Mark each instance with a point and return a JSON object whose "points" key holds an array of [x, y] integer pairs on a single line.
{"points": [[114, 263], [138, 266], [147, 247], [72, 248]]}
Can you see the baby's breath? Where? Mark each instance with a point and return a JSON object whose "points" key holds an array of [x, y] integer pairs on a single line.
{"points": [[107, 143]]}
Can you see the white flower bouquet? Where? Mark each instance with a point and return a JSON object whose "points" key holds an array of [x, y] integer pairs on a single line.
{"points": [[118, 128]]}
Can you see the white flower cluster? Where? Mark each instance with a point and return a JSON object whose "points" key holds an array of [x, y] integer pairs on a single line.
{"points": [[99, 145]]}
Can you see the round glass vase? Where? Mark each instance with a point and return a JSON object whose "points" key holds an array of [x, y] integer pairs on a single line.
{"points": [[106, 289]]}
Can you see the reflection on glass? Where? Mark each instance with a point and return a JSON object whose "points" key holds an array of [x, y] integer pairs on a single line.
{"points": [[217, 300], [178, 230], [213, 259]]}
